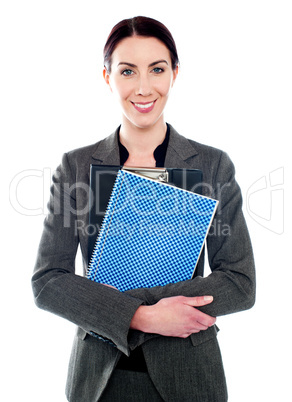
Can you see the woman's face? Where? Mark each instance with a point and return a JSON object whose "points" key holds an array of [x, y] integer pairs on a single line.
{"points": [[141, 78]]}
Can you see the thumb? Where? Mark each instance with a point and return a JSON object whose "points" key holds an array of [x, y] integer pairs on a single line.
{"points": [[198, 301]]}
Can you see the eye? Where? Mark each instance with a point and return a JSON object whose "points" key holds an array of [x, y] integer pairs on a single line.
{"points": [[158, 70], [127, 72]]}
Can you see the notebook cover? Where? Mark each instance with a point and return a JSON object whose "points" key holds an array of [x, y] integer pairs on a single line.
{"points": [[152, 234], [102, 179]]}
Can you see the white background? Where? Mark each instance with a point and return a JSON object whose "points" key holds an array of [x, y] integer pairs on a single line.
{"points": [[233, 92]]}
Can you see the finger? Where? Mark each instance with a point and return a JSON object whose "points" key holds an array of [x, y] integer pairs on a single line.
{"points": [[186, 335], [202, 318], [206, 320], [199, 327], [198, 301], [109, 286]]}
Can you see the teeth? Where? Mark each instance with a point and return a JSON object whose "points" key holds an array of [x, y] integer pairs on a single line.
{"points": [[144, 106]]}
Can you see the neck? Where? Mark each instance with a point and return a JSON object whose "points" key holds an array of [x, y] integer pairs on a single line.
{"points": [[142, 141]]}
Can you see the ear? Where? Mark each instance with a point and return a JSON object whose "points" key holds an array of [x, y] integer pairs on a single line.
{"points": [[175, 74], [106, 77]]}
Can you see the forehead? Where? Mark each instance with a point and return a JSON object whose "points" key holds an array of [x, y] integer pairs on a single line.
{"points": [[140, 50]]}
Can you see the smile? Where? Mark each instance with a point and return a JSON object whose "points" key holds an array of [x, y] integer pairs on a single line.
{"points": [[144, 107]]}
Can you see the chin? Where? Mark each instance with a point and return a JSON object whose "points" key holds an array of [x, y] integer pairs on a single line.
{"points": [[145, 122]]}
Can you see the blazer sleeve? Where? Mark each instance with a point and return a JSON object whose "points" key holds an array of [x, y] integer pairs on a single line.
{"points": [[97, 309], [232, 280]]}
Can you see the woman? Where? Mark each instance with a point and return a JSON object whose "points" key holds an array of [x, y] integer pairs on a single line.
{"points": [[144, 344]]}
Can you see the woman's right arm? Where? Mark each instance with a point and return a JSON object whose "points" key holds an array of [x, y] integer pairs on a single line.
{"points": [[93, 307]]}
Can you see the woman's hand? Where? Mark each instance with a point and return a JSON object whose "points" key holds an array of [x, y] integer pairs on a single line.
{"points": [[174, 316]]}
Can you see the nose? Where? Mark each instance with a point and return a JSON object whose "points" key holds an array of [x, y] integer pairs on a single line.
{"points": [[144, 86]]}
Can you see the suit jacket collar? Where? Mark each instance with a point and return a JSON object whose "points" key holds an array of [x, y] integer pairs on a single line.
{"points": [[107, 151], [178, 152]]}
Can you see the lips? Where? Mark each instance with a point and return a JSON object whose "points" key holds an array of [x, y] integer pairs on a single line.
{"points": [[144, 107]]}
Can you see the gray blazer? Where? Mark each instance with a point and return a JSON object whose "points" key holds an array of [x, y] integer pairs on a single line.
{"points": [[182, 369]]}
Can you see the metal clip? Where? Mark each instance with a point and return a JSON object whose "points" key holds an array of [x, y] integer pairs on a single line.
{"points": [[158, 174]]}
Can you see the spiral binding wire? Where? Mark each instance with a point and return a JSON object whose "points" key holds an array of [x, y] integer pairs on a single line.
{"points": [[99, 243]]}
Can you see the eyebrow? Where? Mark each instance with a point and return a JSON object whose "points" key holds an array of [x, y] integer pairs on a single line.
{"points": [[134, 65]]}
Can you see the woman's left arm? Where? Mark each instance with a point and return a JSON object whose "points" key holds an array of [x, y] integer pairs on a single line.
{"points": [[232, 281]]}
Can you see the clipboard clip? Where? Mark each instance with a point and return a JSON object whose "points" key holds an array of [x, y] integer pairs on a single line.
{"points": [[158, 174]]}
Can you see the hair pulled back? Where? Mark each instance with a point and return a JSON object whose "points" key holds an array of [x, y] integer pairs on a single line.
{"points": [[139, 26]]}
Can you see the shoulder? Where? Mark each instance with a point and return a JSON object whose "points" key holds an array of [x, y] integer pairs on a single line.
{"points": [[213, 156], [95, 151], [196, 151], [76, 163], [215, 164], [82, 152]]}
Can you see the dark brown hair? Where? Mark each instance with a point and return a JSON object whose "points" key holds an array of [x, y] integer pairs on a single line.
{"points": [[140, 26]]}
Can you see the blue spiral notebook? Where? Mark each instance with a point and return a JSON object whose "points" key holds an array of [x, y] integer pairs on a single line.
{"points": [[152, 234]]}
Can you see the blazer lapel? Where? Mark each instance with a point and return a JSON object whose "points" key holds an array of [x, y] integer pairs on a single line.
{"points": [[179, 152], [178, 155], [107, 152]]}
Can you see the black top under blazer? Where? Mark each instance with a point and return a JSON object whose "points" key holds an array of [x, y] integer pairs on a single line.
{"points": [[175, 365]]}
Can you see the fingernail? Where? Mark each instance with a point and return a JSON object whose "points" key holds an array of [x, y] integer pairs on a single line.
{"points": [[208, 298]]}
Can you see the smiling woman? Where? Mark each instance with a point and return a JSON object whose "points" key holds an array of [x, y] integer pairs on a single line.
{"points": [[143, 51], [141, 78], [145, 344]]}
